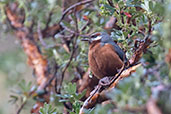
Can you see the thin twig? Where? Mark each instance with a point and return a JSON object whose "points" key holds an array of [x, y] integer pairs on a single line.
{"points": [[137, 109], [142, 47], [73, 6], [156, 73], [32, 25], [72, 54], [84, 26], [49, 19], [76, 22], [92, 94], [53, 77], [65, 36], [21, 107], [73, 32], [64, 70], [110, 3], [149, 25], [40, 36]]}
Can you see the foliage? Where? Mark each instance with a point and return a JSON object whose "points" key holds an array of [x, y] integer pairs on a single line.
{"points": [[134, 20], [47, 109], [72, 96]]}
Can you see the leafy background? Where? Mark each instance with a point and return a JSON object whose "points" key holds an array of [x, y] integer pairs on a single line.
{"points": [[134, 91]]}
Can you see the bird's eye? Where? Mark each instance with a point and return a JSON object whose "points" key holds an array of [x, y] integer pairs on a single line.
{"points": [[93, 36]]}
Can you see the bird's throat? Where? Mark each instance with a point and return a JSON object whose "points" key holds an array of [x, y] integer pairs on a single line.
{"points": [[94, 44]]}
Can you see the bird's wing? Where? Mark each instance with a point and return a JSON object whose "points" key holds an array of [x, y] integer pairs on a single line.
{"points": [[108, 61], [117, 49]]}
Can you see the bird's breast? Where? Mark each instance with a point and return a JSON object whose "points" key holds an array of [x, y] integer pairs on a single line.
{"points": [[103, 60]]}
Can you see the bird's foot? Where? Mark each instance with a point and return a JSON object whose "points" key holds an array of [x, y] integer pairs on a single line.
{"points": [[105, 81]]}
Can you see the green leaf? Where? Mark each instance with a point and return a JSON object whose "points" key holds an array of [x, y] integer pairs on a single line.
{"points": [[71, 88], [64, 96], [151, 5], [63, 100], [25, 88], [13, 99], [47, 109], [159, 8], [79, 96]]}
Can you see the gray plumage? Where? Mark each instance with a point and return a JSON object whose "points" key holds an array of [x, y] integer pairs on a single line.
{"points": [[106, 39]]}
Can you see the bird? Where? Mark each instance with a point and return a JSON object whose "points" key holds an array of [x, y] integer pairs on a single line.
{"points": [[105, 57]]}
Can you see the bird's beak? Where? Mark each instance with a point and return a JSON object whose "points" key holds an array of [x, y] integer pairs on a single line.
{"points": [[85, 39]]}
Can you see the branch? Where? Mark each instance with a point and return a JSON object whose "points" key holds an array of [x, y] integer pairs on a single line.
{"points": [[72, 54], [152, 107], [73, 6], [35, 58], [13, 18], [41, 36], [110, 3], [21, 107], [142, 48], [51, 31], [135, 109], [55, 67], [98, 95], [94, 95], [58, 89], [49, 18], [74, 32]]}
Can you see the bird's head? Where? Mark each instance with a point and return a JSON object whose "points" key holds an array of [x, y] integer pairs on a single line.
{"points": [[98, 36]]}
